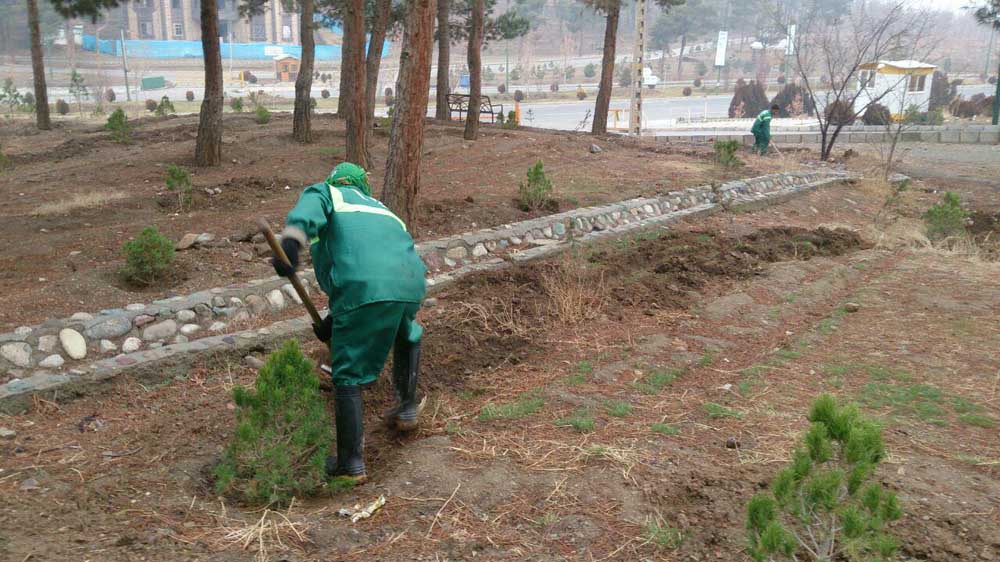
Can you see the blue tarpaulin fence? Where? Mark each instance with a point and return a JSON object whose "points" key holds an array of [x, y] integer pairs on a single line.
{"points": [[156, 49]]}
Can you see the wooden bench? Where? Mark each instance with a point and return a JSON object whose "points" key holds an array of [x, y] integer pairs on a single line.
{"points": [[459, 103]]}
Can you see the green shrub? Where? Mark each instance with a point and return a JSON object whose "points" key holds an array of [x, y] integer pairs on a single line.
{"points": [[147, 257], [687, 91], [165, 107], [62, 108], [822, 507], [118, 126], [237, 105], [581, 94], [945, 219], [189, 95], [151, 105], [510, 122], [179, 180], [282, 435], [590, 70], [914, 116], [536, 193], [569, 72], [262, 116], [725, 153]]}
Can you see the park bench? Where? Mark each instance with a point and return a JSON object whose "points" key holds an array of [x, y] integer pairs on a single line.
{"points": [[459, 103]]}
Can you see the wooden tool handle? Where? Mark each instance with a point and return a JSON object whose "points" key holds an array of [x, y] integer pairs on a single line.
{"points": [[272, 241]]}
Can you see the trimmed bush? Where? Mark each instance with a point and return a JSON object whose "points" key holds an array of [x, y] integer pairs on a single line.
{"points": [[150, 105], [282, 435], [877, 114], [325, 94], [554, 87], [840, 112], [109, 95], [823, 507], [793, 100], [262, 116], [687, 91], [590, 70], [518, 95], [118, 126], [536, 193], [147, 257], [502, 89], [189, 95], [782, 79], [697, 82], [946, 218], [62, 108], [236, 104], [581, 94], [749, 99], [569, 72]]}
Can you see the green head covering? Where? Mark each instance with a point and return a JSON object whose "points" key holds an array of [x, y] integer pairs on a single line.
{"points": [[350, 174]]}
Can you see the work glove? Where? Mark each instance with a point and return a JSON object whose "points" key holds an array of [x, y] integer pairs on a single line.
{"points": [[324, 330], [291, 248]]}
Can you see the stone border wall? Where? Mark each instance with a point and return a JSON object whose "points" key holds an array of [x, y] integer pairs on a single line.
{"points": [[61, 355], [973, 134]]}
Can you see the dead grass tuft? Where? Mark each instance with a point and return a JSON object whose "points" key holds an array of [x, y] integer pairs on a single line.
{"points": [[576, 292], [273, 532], [78, 201], [500, 318]]}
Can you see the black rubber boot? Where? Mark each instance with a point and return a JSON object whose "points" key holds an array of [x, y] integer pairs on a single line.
{"points": [[405, 371], [349, 414]]}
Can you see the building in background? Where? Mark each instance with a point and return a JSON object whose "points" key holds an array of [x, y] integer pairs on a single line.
{"points": [[180, 20]]}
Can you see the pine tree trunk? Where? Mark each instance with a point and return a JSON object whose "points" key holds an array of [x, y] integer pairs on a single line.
{"points": [[600, 125], [680, 57], [444, 59], [374, 61], [208, 147], [342, 95], [402, 170], [70, 43], [475, 70], [302, 115], [354, 64], [38, 70]]}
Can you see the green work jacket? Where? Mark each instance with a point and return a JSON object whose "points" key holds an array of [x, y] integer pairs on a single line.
{"points": [[360, 250], [762, 124]]}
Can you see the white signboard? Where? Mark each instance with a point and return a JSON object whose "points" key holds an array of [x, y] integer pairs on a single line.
{"points": [[273, 51], [790, 40], [720, 48]]}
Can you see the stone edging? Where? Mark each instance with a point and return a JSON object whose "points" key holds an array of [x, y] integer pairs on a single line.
{"points": [[162, 350]]}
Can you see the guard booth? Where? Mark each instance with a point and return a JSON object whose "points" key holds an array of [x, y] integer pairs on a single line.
{"points": [[897, 85], [286, 68]]}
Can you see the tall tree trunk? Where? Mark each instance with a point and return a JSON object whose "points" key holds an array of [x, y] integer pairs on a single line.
{"points": [[402, 170], [680, 57], [354, 63], [38, 69], [71, 43], [380, 26], [444, 59], [475, 70], [302, 115], [342, 96], [600, 125], [208, 147]]}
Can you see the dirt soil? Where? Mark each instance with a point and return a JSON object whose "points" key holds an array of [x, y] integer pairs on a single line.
{"points": [[746, 312], [74, 196]]}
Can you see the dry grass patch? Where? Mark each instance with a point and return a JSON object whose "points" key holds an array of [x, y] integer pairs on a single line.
{"points": [[576, 292], [79, 201]]}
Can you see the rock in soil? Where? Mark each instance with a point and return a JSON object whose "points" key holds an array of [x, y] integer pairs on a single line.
{"points": [[852, 307], [73, 343]]}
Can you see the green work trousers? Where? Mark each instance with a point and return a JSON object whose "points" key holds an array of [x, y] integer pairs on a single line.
{"points": [[362, 338], [761, 143]]}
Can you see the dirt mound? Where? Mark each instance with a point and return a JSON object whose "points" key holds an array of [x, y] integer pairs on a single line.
{"points": [[985, 231]]}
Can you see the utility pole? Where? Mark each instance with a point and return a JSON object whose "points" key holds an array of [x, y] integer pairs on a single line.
{"points": [[638, 63], [989, 51], [128, 92]]}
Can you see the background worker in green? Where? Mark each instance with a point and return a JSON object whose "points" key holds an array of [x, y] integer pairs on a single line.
{"points": [[762, 129], [365, 262]]}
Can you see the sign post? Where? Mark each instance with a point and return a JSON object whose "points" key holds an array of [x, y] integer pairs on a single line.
{"points": [[638, 63]]}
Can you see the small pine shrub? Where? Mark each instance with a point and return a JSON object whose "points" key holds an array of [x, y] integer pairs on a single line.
{"points": [[946, 218], [4, 162], [590, 70], [118, 126], [262, 116], [536, 193], [282, 435], [165, 107], [687, 91], [28, 99], [725, 153], [189, 95], [511, 122], [62, 108], [237, 105], [179, 180], [822, 507], [151, 105], [569, 72], [147, 257]]}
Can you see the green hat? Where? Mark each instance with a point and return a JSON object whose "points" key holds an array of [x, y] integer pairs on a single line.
{"points": [[350, 174]]}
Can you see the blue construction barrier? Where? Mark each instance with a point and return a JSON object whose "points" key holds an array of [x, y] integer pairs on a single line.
{"points": [[156, 49]]}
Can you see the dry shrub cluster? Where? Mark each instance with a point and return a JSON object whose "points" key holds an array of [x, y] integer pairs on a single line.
{"points": [[576, 292]]}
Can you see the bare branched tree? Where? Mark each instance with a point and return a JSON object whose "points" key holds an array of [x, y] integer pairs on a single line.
{"points": [[836, 48]]}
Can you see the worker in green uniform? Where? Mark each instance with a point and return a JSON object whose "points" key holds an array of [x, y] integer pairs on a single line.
{"points": [[366, 263], [762, 129]]}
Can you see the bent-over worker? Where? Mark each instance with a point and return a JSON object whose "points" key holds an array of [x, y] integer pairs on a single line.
{"points": [[762, 129], [366, 263]]}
